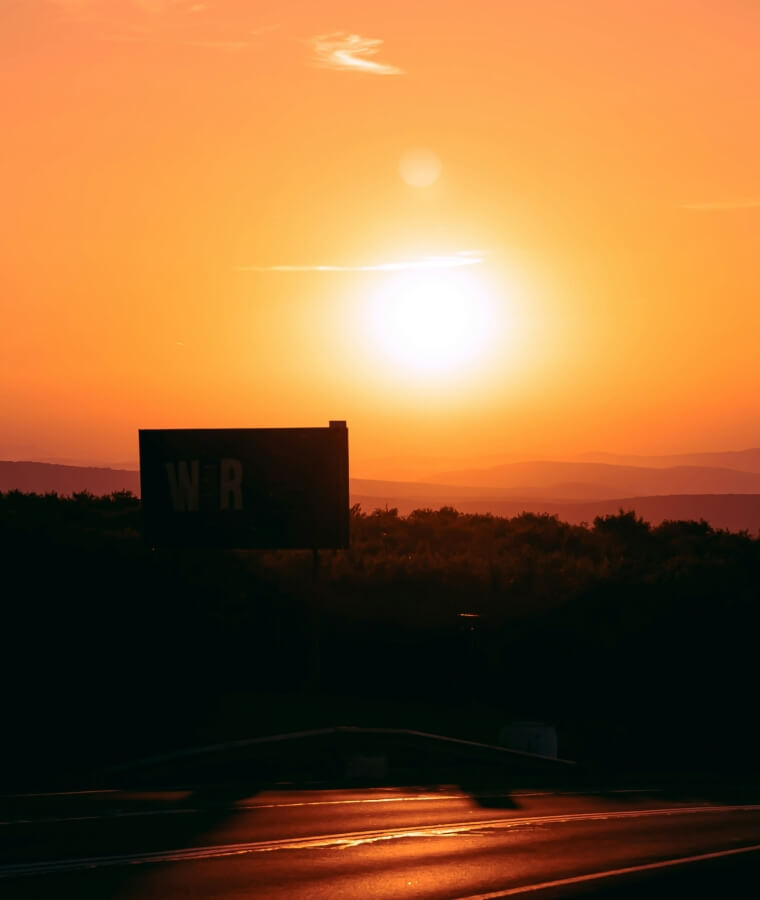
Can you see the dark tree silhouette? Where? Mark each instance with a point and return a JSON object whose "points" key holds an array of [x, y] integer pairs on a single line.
{"points": [[638, 642]]}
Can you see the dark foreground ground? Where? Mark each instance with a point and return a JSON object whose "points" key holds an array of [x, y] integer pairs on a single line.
{"points": [[639, 644], [436, 843]]}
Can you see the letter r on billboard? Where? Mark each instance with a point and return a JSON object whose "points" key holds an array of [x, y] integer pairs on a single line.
{"points": [[230, 484]]}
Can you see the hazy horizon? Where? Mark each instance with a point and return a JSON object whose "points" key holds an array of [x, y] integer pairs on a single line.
{"points": [[408, 468]]}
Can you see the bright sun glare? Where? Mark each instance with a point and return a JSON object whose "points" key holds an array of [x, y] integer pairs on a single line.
{"points": [[432, 322]]}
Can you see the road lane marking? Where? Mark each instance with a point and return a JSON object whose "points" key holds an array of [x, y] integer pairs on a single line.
{"points": [[415, 798], [370, 800], [610, 873], [342, 841], [418, 797]]}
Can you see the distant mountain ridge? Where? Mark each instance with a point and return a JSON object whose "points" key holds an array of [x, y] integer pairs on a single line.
{"points": [[43, 478], [733, 511], [425, 468], [743, 460], [591, 481], [547, 480]]}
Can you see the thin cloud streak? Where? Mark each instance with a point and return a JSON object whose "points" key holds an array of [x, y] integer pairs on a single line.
{"points": [[452, 261], [158, 39], [723, 205], [349, 52]]}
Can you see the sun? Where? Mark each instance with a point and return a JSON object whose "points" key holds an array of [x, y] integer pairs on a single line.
{"points": [[432, 322]]}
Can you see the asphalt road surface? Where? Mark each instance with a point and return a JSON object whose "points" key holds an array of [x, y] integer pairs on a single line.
{"points": [[381, 843]]}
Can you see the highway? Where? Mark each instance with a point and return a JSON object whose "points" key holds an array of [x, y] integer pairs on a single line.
{"points": [[438, 843]]}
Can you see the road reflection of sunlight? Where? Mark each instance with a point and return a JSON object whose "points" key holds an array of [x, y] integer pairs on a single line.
{"points": [[221, 815]]}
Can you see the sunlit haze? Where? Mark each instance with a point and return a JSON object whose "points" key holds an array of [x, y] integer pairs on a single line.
{"points": [[527, 229], [379, 449]]}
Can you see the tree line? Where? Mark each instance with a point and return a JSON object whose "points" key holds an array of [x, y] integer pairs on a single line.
{"points": [[638, 642]]}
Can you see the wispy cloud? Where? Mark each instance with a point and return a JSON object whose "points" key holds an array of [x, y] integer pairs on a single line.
{"points": [[720, 205], [350, 52], [450, 261], [232, 45]]}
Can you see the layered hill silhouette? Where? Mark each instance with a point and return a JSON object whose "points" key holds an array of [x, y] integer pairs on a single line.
{"points": [[592, 481], [44, 478], [745, 460], [419, 468], [574, 491]]}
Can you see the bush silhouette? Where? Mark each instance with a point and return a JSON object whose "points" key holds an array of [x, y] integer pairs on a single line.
{"points": [[603, 629]]}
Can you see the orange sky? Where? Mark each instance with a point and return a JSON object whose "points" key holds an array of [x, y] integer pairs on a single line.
{"points": [[599, 164]]}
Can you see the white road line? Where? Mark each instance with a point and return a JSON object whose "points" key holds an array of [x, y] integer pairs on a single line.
{"points": [[409, 799], [610, 873], [476, 796], [432, 796], [417, 798], [122, 814], [338, 841]]}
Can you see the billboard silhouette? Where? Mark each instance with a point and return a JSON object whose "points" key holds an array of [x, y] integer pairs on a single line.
{"points": [[264, 488]]}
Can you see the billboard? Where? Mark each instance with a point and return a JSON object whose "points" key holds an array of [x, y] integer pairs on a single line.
{"points": [[245, 487]]}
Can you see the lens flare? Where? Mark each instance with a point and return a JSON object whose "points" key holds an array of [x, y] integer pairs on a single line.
{"points": [[419, 167]]}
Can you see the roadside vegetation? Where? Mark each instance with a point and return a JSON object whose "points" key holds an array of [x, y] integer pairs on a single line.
{"points": [[638, 642]]}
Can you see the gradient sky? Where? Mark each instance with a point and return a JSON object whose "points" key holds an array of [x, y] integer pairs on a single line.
{"points": [[203, 216]]}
